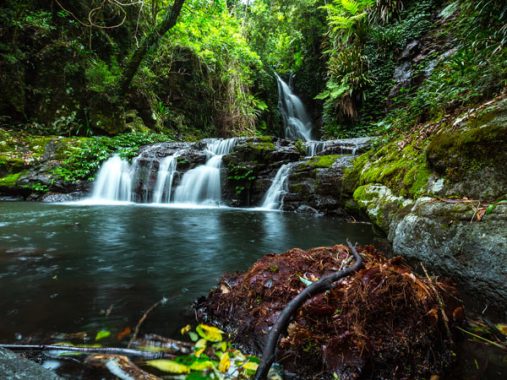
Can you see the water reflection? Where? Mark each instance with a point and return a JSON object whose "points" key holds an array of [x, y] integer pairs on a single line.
{"points": [[74, 268]]}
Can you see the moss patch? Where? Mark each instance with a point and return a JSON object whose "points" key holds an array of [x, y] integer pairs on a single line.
{"points": [[322, 162], [467, 152], [10, 180]]}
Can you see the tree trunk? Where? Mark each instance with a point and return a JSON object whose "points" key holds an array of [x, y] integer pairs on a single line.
{"points": [[148, 42]]}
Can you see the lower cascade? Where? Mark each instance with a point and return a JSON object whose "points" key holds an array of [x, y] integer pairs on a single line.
{"points": [[273, 199], [114, 181], [203, 184], [118, 181]]}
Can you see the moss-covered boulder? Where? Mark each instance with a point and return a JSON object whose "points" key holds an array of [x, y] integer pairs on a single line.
{"points": [[472, 153]]}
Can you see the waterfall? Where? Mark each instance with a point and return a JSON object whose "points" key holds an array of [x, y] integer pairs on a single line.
{"points": [[315, 147], [273, 199], [165, 177], [203, 184], [297, 123], [114, 181]]}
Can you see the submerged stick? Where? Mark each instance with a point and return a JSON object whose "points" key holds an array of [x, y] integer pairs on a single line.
{"points": [[87, 350], [143, 318], [325, 283]]}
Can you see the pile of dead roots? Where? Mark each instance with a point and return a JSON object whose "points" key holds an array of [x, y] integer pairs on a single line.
{"points": [[383, 322]]}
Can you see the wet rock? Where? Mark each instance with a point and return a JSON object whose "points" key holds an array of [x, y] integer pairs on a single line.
{"points": [[317, 183], [15, 367], [445, 236], [58, 197], [473, 253]]}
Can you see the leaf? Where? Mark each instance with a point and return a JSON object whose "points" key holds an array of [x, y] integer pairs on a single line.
{"points": [[124, 333], [102, 334], [305, 281], [480, 214], [225, 363], [502, 328], [169, 366], [201, 365], [193, 336], [222, 346], [490, 208], [251, 366], [209, 333], [185, 329]]}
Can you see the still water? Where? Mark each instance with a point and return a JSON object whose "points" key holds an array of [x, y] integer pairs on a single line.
{"points": [[73, 268]]}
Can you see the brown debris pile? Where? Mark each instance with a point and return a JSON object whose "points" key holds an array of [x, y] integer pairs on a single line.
{"points": [[383, 322]]}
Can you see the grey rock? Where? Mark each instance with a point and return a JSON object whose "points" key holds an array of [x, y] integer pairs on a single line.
{"points": [[14, 367]]}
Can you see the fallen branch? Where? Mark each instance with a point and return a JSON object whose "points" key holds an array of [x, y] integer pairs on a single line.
{"points": [[325, 283], [143, 318], [87, 350]]}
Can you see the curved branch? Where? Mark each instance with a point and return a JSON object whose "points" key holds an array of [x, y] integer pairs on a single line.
{"points": [[87, 350], [325, 283]]}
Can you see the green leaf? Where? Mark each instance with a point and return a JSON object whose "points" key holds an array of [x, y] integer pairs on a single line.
{"points": [[209, 333], [102, 334], [490, 208], [169, 366], [193, 336]]}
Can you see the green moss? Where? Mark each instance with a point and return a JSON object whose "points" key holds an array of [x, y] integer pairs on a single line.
{"points": [[10, 180], [262, 146], [469, 151], [322, 161]]}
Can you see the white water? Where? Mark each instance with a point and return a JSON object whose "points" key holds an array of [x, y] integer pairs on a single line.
{"points": [[203, 184], [298, 124], [165, 178], [113, 181], [273, 200]]}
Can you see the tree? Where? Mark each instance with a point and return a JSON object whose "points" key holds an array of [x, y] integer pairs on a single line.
{"points": [[149, 42]]}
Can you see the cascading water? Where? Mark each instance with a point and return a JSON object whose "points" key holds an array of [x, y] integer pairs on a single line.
{"points": [[142, 182], [297, 123], [165, 178], [114, 182], [273, 200], [203, 184]]}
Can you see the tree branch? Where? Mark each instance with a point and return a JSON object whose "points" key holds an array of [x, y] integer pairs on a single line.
{"points": [[87, 350], [325, 283], [148, 42]]}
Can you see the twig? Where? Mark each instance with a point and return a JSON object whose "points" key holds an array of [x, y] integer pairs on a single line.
{"points": [[325, 283], [441, 303], [498, 345], [143, 318], [87, 350]]}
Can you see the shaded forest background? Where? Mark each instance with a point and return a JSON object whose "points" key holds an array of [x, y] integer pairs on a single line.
{"points": [[361, 66]]}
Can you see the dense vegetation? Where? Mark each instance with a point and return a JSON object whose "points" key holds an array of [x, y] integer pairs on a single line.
{"points": [[361, 66]]}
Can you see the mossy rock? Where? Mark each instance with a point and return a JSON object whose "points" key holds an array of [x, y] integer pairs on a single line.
{"points": [[472, 158], [10, 180], [321, 162]]}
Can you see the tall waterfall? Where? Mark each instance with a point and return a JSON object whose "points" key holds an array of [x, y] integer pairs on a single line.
{"points": [[203, 184], [296, 120], [274, 197], [113, 181]]}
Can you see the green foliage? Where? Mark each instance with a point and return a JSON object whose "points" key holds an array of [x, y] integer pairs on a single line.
{"points": [[242, 177], [100, 76], [9, 180], [83, 159]]}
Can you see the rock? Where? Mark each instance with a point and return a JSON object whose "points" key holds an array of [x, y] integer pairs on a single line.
{"points": [[317, 183], [58, 197], [13, 367], [472, 155], [474, 253], [444, 236]]}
